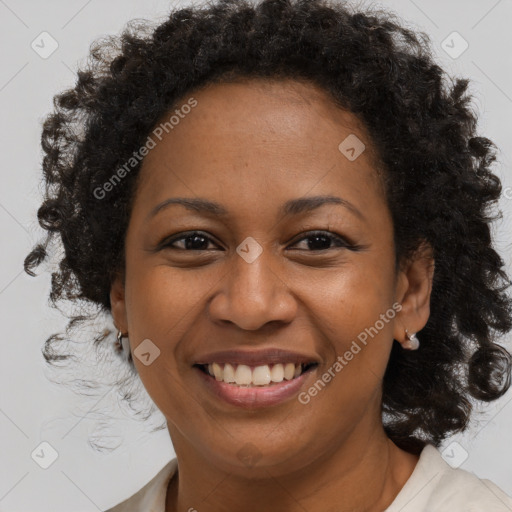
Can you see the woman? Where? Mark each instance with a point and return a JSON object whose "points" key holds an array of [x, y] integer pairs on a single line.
{"points": [[286, 210]]}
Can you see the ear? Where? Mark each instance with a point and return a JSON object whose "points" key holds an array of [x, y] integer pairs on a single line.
{"points": [[413, 290], [118, 304]]}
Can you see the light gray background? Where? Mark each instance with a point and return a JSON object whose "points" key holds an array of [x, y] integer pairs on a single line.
{"points": [[32, 409]]}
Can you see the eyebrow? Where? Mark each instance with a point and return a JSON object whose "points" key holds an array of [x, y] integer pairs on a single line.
{"points": [[291, 207]]}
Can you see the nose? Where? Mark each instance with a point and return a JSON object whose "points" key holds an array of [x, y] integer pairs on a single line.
{"points": [[252, 295]]}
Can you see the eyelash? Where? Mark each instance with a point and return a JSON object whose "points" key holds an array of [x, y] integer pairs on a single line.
{"points": [[337, 239]]}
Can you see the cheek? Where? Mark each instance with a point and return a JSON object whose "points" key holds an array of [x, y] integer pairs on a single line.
{"points": [[162, 306], [349, 299], [163, 302], [353, 309]]}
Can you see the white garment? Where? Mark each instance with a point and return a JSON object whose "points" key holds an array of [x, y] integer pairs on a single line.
{"points": [[434, 486]]}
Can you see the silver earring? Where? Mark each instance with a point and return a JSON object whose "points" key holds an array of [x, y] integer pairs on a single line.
{"points": [[119, 341], [411, 342], [124, 346]]}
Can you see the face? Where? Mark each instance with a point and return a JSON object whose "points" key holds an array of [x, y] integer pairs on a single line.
{"points": [[251, 275]]}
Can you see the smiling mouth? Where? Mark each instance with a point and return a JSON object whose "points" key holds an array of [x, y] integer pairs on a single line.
{"points": [[242, 375]]}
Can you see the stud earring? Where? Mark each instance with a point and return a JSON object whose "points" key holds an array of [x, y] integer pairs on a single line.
{"points": [[411, 342]]}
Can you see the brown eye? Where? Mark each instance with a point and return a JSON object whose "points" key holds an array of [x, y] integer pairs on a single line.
{"points": [[194, 241], [323, 240]]}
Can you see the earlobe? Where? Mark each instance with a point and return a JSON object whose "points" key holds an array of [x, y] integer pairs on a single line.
{"points": [[118, 304], [414, 288]]}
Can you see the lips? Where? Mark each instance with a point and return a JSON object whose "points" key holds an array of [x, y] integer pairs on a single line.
{"points": [[246, 383], [254, 358], [254, 397]]}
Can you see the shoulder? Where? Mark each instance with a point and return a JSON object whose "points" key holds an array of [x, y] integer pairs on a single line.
{"points": [[435, 486], [151, 497]]}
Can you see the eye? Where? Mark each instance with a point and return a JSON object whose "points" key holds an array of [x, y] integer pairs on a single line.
{"points": [[193, 241], [322, 240], [317, 241]]}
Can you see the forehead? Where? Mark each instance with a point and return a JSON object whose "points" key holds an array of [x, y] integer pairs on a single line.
{"points": [[259, 138]]}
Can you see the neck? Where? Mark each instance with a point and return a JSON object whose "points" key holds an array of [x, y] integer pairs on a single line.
{"points": [[358, 479]]}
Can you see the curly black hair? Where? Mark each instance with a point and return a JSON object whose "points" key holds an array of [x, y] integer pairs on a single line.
{"points": [[439, 183]]}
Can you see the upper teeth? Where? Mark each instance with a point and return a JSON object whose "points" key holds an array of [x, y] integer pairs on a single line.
{"points": [[259, 376]]}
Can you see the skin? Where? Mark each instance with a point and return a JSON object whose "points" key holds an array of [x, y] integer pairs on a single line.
{"points": [[251, 146]]}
